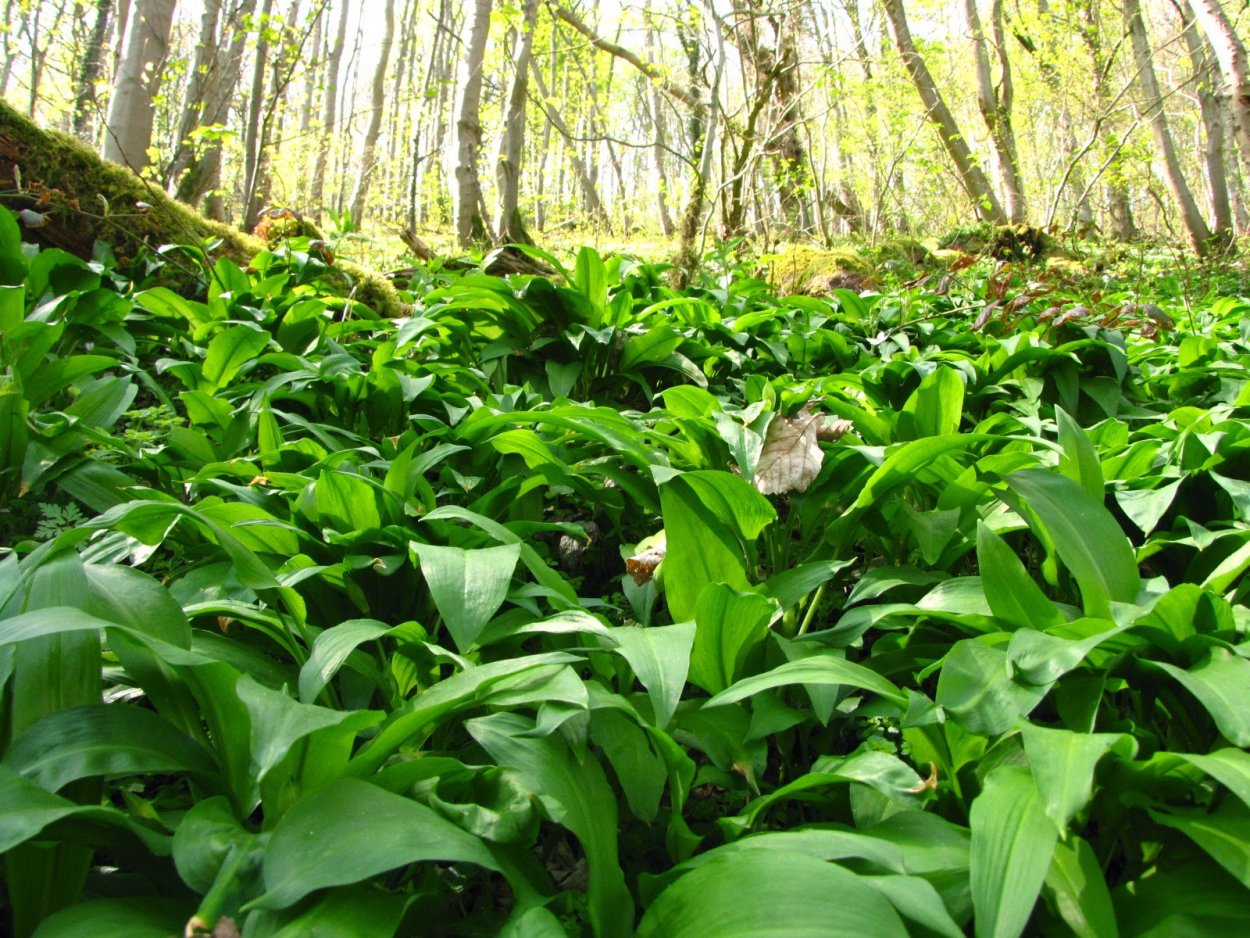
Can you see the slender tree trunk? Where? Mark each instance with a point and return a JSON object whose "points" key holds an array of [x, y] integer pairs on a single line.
{"points": [[207, 53], [128, 131], [329, 117], [90, 67], [1230, 51], [995, 104], [253, 144], [1191, 216], [378, 102], [470, 223], [969, 172], [1208, 79], [656, 108], [591, 193], [511, 226], [202, 173]]}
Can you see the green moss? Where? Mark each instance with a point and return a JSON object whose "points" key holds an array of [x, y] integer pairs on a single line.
{"points": [[86, 199], [798, 268]]}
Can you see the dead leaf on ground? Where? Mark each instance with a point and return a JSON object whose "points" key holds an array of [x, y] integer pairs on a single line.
{"points": [[791, 458]]}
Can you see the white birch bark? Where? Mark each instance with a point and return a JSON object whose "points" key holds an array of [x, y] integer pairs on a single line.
{"points": [[128, 130]]}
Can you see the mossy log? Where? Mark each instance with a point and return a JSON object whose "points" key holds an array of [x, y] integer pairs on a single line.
{"points": [[83, 199]]}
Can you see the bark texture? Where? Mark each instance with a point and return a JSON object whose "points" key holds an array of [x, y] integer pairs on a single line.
{"points": [[128, 131]]}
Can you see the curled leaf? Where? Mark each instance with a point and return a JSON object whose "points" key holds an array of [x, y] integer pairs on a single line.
{"points": [[790, 459]]}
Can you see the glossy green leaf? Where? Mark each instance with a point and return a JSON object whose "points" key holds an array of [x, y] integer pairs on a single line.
{"points": [[935, 407], [114, 739], [137, 917], [1062, 763], [1221, 682], [730, 631], [829, 668], [1086, 536], [1013, 595], [351, 831], [710, 520], [468, 586], [574, 793], [1223, 833], [977, 690], [1229, 767], [1076, 886], [229, 351], [773, 894], [660, 659], [1012, 844]]}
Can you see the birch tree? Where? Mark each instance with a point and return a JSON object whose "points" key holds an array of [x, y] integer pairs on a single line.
{"points": [[973, 180], [1230, 51], [1152, 103], [128, 127], [471, 226], [377, 102], [510, 225]]}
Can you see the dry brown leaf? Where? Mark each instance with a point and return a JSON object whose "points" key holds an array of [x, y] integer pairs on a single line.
{"points": [[790, 459], [642, 565]]}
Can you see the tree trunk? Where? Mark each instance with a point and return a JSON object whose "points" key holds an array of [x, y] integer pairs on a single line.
{"points": [[591, 193], [969, 172], [128, 131], [1230, 52], [207, 52], [995, 104], [1209, 109], [470, 223], [253, 144], [511, 226], [656, 108], [90, 67], [1191, 216], [329, 117], [375, 118], [202, 173]]}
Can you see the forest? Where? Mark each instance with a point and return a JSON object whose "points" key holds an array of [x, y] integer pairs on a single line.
{"points": [[652, 123], [671, 469]]}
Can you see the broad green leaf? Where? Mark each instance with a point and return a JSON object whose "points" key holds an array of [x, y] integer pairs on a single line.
{"points": [[346, 502], [330, 649], [134, 917], [1192, 898], [1076, 885], [829, 668], [279, 722], [344, 912], [1012, 844], [204, 839], [884, 772], [229, 351], [1086, 536], [449, 695], [1223, 833], [1146, 507], [660, 659], [1229, 767], [1221, 682], [710, 519], [1063, 763], [935, 407], [976, 689], [916, 899], [113, 739], [468, 586], [1079, 460], [575, 793], [770, 895], [349, 832], [730, 631], [1012, 594]]}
